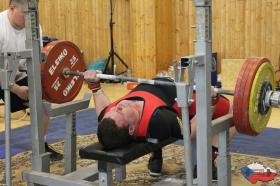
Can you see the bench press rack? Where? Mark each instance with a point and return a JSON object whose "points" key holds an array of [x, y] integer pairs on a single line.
{"points": [[8, 63], [202, 61]]}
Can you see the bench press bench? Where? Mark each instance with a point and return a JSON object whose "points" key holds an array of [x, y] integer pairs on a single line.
{"points": [[118, 158]]}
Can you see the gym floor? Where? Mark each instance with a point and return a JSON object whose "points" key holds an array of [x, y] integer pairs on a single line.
{"points": [[115, 91]]}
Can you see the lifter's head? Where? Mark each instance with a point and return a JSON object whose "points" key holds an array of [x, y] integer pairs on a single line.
{"points": [[16, 14], [111, 136], [119, 125]]}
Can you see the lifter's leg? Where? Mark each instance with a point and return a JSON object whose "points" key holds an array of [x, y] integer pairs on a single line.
{"points": [[55, 156], [155, 163]]}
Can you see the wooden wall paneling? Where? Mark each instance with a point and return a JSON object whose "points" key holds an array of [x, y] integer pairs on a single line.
{"points": [[268, 32], [52, 18], [259, 30], [122, 33], [223, 41], [276, 37], [184, 24], [275, 45], [92, 29], [263, 23], [228, 32], [233, 22], [241, 28], [215, 25], [75, 22], [163, 34], [247, 27], [4, 4], [102, 29], [183, 28], [149, 44], [133, 36], [254, 29], [101, 42], [173, 29], [87, 30]]}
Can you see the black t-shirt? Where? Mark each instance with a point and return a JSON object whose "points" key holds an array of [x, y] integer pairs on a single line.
{"points": [[164, 122]]}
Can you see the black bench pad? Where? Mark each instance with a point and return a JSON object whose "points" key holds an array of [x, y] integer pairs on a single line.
{"points": [[123, 155]]}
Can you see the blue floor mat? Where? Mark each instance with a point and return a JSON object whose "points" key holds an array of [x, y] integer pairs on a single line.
{"points": [[21, 137], [265, 144]]}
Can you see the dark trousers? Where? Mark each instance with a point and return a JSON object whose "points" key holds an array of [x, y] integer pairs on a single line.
{"points": [[16, 102]]}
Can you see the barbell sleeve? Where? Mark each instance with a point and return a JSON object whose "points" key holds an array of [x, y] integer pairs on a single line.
{"points": [[67, 72], [224, 92]]}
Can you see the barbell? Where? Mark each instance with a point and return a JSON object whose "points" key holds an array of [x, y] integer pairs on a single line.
{"points": [[254, 94]]}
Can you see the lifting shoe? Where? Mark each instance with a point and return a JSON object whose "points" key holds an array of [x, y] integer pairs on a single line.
{"points": [[55, 156], [154, 166]]}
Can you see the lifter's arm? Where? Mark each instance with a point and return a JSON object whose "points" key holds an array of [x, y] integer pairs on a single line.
{"points": [[100, 99]]}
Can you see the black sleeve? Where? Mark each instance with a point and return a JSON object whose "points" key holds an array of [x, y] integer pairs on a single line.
{"points": [[164, 124], [101, 115]]}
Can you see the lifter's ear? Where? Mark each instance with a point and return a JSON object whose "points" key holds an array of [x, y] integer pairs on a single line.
{"points": [[131, 130]]}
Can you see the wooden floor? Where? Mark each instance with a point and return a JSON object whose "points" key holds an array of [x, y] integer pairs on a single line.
{"points": [[115, 91]]}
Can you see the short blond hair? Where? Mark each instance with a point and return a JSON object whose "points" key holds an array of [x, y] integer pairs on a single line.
{"points": [[16, 2]]}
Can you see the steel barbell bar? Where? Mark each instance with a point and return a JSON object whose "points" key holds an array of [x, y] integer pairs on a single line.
{"points": [[66, 72], [272, 98]]}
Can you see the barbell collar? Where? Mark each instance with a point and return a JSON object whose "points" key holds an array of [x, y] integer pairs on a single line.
{"points": [[67, 72], [274, 99]]}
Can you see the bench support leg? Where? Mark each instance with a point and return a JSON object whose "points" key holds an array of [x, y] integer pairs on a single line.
{"points": [[120, 173], [105, 178], [70, 144], [224, 164], [105, 173]]}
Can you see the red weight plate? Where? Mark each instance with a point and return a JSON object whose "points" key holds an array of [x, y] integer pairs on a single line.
{"points": [[254, 64], [242, 126], [238, 94], [257, 61], [59, 55], [242, 95]]}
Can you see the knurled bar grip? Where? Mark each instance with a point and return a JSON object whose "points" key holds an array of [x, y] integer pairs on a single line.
{"points": [[122, 78]]}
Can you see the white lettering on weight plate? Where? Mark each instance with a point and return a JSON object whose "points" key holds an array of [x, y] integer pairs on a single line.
{"points": [[58, 60], [73, 61], [56, 84], [69, 87]]}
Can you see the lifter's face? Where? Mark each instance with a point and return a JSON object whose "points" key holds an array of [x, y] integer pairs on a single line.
{"points": [[16, 16], [124, 114]]}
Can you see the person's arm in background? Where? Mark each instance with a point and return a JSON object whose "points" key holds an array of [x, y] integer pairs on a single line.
{"points": [[1, 43], [101, 100], [41, 36]]}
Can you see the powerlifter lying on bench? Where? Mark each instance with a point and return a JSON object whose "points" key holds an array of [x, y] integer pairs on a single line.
{"points": [[147, 112]]}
